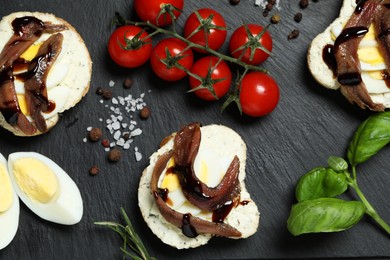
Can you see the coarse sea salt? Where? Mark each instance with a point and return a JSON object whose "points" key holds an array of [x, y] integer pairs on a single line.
{"points": [[120, 121], [263, 3]]}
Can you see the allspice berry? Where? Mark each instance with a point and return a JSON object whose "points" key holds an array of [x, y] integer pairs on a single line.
{"points": [[114, 155], [144, 113], [95, 134], [94, 170]]}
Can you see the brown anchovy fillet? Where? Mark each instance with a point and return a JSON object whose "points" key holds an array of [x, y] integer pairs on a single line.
{"points": [[382, 28], [348, 65], [26, 31], [35, 84], [198, 225], [9, 105], [186, 146]]}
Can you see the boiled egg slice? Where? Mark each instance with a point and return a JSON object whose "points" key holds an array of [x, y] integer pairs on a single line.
{"points": [[45, 188], [371, 60], [9, 206], [209, 167]]}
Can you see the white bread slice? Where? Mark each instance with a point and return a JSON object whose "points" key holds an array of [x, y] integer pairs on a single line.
{"points": [[75, 53], [245, 218], [320, 70]]}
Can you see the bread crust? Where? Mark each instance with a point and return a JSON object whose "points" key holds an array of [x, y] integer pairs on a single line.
{"points": [[77, 83]]}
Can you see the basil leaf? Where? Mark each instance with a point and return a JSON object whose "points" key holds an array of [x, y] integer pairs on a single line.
{"points": [[371, 136], [320, 183], [338, 164], [324, 215]]}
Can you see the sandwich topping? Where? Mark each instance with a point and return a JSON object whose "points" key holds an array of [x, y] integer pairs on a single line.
{"points": [[27, 31], [342, 57], [219, 199]]}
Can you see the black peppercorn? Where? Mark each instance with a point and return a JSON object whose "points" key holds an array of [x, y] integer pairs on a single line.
{"points": [[294, 34], [298, 17], [107, 94], [128, 83], [303, 3], [234, 2]]}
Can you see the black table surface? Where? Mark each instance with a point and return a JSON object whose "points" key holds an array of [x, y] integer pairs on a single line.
{"points": [[309, 124]]}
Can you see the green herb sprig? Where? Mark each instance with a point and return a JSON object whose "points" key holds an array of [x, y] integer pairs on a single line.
{"points": [[132, 243], [317, 209]]}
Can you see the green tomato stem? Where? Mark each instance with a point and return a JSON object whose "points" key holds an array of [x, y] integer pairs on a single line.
{"points": [[194, 45], [369, 208]]}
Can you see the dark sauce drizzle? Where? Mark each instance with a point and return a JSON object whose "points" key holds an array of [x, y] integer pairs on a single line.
{"points": [[19, 25], [11, 109], [218, 215], [359, 6]]}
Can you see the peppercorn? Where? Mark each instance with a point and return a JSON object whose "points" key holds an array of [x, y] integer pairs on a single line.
{"points": [[114, 155], [234, 2], [126, 136], [145, 113], [94, 170], [276, 18], [95, 134], [303, 3], [265, 13], [107, 94], [294, 34], [269, 6], [298, 17], [273, 2], [128, 83], [99, 91], [106, 143]]}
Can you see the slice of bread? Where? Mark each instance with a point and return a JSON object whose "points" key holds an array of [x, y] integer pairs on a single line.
{"points": [[245, 217], [320, 70], [74, 54]]}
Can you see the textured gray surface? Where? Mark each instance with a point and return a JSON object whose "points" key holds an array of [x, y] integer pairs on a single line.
{"points": [[309, 124]]}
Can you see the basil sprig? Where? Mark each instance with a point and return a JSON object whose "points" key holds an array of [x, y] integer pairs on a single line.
{"points": [[318, 209]]}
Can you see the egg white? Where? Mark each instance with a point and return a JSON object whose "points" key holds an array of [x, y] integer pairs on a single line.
{"points": [[66, 208], [9, 220]]}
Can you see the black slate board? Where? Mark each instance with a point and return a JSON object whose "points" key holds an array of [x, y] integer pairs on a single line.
{"points": [[309, 124]]}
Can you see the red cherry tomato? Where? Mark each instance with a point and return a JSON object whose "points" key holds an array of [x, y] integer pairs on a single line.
{"points": [[128, 51], [150, 10], [214, 38], [240, 37], [220, 78], [168, 71], [259, 94]]}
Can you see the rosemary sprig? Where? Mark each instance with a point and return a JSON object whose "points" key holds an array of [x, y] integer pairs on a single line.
{"points": [[132, 243]]}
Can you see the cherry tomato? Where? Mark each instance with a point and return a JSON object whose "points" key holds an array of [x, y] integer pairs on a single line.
{"points": [[219, 80], [157, 11], [161, 64], [216, 34], [240, 37], [259, 94], [128, 50]]}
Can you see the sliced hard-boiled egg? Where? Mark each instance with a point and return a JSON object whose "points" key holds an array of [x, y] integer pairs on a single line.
{"points": [[45, 188], [209, 167], [9, 206], [57, 74], [59, 95], [371, 60]]}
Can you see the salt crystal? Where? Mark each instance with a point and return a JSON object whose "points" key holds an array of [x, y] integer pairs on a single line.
{"points": [[136, 132], [84, 140], [100, 119], [120, 142], [107, 149], [124, 125], [120, 118], [136, 148], [116, 125], [114, 101], [138, 156], [112, 144], [117, 135], [126, 146], [111, 83], [89, 128], [101, 101]]}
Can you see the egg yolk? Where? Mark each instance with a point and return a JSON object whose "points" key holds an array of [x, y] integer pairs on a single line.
{"points": [[6, 194], [370, 55], [23, 104], [31, 52], [170, 181], [35, 179]]}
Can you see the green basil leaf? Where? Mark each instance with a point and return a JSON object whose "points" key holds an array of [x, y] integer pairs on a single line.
{"points": [[371, 136], [338, 164], [320, 183], [324, 215]]}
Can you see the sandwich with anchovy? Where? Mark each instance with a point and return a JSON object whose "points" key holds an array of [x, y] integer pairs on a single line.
{"points": [[353, 54], [45, 69], [193, 188]]}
